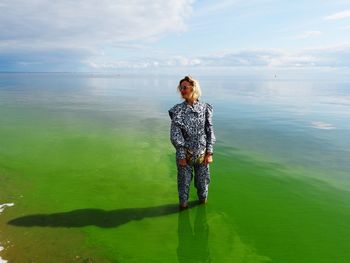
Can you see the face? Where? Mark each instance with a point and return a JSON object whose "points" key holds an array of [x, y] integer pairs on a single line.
{"points": [[186, 89]]}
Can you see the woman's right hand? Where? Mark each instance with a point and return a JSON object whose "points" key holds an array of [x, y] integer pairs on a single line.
{"points": [[182, 162]]}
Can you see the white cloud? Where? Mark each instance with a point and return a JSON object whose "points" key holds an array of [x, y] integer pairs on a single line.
{"points": [[215, 6], [88, 23], [328, 57], [93, 34], [339, 15], [142, 63], [308, 34], [322, 125], [333, 56], [345, 27]]}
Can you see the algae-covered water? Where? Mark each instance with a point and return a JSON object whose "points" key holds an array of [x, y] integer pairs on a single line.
{"points": [[87, 162]]}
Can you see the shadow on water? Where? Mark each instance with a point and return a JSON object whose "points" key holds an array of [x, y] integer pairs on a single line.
{"points": [[95, 217], [193, 242]]}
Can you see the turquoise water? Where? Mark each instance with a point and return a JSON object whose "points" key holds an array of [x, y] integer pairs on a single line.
{"points": [[86, 160]]}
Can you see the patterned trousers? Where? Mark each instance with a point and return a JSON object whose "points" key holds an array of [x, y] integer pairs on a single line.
{"points": [[184, 178]]}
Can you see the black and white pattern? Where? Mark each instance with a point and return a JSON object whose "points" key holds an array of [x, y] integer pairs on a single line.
{"points": [[192, 131], [192, 128], [201, 181]]}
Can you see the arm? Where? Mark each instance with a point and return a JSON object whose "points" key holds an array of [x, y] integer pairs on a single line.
{"points": [[209, 131], [177, 139]]}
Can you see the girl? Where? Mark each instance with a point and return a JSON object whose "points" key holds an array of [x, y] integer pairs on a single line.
{"points": [[193, 137]]}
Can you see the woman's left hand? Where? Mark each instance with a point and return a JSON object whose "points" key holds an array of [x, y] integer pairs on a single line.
{"points": [[208, 158]]}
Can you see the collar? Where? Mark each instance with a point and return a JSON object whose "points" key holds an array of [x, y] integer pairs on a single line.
{"points": [[195, 107]]}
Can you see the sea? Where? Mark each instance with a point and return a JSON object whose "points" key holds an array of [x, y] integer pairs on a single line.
{"points": [[88, 172]]}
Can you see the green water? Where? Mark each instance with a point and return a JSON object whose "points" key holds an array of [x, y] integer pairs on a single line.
{"points": [[88, 164]]}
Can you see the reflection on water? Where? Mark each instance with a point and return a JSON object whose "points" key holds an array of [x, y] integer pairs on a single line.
{"points": [[193, 241]]}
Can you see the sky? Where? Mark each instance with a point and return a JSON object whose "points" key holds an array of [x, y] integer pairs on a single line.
{"points": [[174, 35]]}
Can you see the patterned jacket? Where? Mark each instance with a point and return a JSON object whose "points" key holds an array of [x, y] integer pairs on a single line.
{"points": [[192, 128]]}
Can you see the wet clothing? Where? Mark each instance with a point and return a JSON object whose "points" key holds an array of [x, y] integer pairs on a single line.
{"points": [[201, 180], [192, 135]]}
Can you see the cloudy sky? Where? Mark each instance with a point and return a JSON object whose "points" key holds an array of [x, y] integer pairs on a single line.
{"points": [[158, 35]]}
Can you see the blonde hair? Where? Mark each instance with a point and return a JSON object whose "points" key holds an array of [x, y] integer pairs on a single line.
{"points": [[196, 93]]}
